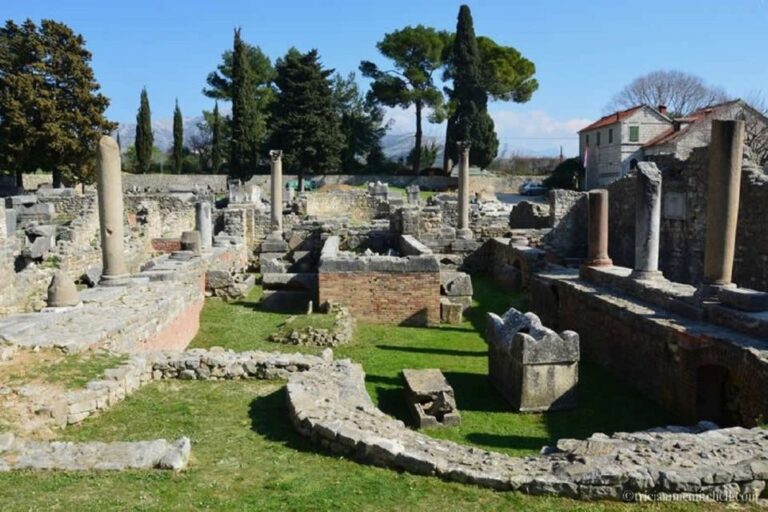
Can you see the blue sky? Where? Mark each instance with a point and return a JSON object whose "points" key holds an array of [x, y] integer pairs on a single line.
{"points": [[584, 51]]}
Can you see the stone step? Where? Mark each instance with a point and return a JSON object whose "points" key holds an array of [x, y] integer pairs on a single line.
{"points": [[285, 301]]}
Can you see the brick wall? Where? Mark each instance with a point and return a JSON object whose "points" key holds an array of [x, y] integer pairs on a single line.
{"points": [[411, 298], [166, 245], [661, 358]]}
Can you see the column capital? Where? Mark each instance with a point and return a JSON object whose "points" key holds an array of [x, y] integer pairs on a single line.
{"points": [[275, 154], [463, 145]]}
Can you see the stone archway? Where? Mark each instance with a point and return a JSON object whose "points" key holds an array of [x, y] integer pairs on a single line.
{"points": [[715, 394]]}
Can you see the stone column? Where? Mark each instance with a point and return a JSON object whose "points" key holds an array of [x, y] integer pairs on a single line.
{"points": [[276, 156], [110, 191], [597, 226], [463, 204], [647, 221], [723, 187], [203, 225]]}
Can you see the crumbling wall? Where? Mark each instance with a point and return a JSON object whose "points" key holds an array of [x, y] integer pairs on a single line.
{"points": [[684, 219], [568, 218], [384, 289]]}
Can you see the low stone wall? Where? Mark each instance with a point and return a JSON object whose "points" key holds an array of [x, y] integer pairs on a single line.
{"points": [[18, 454], [175, 182], [330, 405]]}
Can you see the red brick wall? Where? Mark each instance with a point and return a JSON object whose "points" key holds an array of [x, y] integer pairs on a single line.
{"points": [[655, 351], [411, 298], [167, 245]]}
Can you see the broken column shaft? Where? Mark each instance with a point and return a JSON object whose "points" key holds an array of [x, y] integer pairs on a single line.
{"points": [[276, 156], [110, 192], [647, 221], [723, 187], [203, 225], [463, 204], [597, 227]]}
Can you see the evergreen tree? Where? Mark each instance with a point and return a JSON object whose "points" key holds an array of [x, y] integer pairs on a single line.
{"points": [[417, 52], [51, 110], [144, 138], [178, 140], [305, 120], [361, 122], [470, 119], [217, 152], [245, 135]]}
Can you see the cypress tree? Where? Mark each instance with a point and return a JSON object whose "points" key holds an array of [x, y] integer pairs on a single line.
{"points": [[178, 139], [244, 143], [216, 146], [144, 138], [470, 119]]}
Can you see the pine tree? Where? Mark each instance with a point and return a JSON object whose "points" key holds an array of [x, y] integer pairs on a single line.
{"points": [[51, 111], [178, 140], [144, 138], [470, 119], [245, 137], [305, 121], [216, 146]]}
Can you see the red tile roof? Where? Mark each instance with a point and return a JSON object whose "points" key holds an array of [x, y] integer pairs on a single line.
{"points": [[612, 118], [689, 120]]}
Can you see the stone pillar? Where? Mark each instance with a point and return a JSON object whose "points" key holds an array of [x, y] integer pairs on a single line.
{"points": [[203, 225], [597, 226], [276, 156], [647, 221], [463, 205], [723, 187], [110, 191]]}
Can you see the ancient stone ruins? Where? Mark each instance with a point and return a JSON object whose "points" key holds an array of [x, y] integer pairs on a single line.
{"points": [[661, 278]]}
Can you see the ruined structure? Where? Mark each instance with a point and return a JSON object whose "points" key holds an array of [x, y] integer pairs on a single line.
{"points": [[430, 398], [531, 366]]}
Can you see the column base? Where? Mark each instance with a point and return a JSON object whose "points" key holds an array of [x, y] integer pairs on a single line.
{"points": [[464, 234], [646, 275], [118, 280], [709, 291], [598, 262]]}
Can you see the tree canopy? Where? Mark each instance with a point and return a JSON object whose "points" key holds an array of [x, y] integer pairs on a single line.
{"points": [[680, 92], [416, 52], [145, 140], [305, 123], [177, 152], [469, 120], [248, 125], [51, 110], [361, 122]]}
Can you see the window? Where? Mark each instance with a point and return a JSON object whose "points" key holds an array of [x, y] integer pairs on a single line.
{"points": [[634, 134], [597, 142], [586, 140], [610, 135]]}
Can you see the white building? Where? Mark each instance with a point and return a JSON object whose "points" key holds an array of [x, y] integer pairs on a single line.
{"points": [[611, 146]]}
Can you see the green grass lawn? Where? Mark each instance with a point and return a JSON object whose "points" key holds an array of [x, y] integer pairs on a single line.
{"points": [[247, 456], [71, 371]]}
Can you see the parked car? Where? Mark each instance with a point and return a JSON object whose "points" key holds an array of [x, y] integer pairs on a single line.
{"points": [[532, 188], [309, 184]]}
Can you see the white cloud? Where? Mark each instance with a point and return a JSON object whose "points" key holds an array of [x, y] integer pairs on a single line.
{"points": [[533, 132]]}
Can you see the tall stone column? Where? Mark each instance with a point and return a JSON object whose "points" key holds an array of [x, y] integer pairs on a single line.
{"points": [[276, 156], [597, 228], [203, 225], [463, 205], [647, 221], [723, 187], [110, 191]]}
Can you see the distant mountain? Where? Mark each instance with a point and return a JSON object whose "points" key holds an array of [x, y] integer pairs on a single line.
{"points": [[162, 130]]}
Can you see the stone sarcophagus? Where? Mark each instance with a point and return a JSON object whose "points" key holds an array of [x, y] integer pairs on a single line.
{"points": [[430, 398], [533, 367]]}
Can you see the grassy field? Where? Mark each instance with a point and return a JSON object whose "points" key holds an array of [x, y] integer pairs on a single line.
{"points": [[246, 455]]}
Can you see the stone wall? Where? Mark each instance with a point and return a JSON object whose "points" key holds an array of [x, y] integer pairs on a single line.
{"points": [[216, 183], [385, 289], [697, 369], [329, 405], [684, 218], [358, 206], [568, 219]]}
